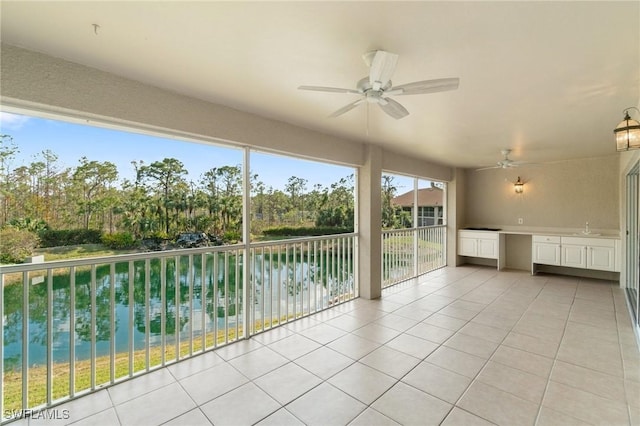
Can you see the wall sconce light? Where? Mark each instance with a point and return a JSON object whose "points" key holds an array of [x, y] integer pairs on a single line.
{"points": [[627, 132], [519, 186]]}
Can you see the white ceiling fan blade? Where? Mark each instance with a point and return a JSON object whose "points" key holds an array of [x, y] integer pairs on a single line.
{"points": [[347, 108], [426, 86], [488, 168], [383, 65], [393, 108], [328, 89], [522, 163]]}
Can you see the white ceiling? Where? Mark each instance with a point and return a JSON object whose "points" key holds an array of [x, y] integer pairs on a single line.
{"points": [[547, 79]]}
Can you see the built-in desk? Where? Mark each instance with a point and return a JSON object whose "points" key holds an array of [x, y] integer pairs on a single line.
{"points": [[566, 252]]}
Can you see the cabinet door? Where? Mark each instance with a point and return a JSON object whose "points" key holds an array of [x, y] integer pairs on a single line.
{"points": [[467, 246], [546, 254], [574, 256], [488, 248], [601, 258]]}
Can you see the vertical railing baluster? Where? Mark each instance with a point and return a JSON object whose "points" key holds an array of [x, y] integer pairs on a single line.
{"points": [[279, 282], [334, 270], [263, 315], [286, 289], [163, 310], [226, 296], [394, 251], [301, 277], [131, 317], [72, 331], [214, 297], [94, 301], [385, 259], [311, 260], [295, 281], [301, 267], [25, 340], [343, 277], [190, 275], [317, 260], [271, 286], [235, 287], [203, 300], [324, 268], [338, 244], [352, 268], [176, 304], [147, 314], [49, 336], [112, 324]]}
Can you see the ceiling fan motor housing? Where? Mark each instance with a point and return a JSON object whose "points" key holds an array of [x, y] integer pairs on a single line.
{"points": [[371, 95]]}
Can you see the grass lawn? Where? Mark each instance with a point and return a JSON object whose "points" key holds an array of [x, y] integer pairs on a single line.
{"points": [[78, 251]]}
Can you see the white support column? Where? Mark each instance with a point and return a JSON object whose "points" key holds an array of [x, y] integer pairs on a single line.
{"points": [[416, 214], [370, 224], [246, 239]]}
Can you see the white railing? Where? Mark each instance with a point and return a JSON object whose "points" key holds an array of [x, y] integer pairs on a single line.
{"points": [[295, 278], [71, 327], [407, 253]]}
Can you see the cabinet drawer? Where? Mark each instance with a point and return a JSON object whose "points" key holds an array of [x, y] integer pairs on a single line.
{"points": [[479, 235], [546, 239]]}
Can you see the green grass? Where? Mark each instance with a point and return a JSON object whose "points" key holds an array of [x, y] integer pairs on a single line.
{"points": [[37, 394], [78, 251], [61, 377]]}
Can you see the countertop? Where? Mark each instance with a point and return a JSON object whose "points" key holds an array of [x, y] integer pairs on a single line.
{"points": [[561, 232]]}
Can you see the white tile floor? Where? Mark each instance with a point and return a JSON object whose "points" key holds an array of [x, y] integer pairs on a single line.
{"points": [[463, 346]]}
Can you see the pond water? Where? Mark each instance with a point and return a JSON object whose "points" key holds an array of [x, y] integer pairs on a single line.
{"points": [[282, 284]]}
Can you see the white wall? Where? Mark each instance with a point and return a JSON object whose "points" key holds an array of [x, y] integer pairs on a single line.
{"points": [[562, 195]]}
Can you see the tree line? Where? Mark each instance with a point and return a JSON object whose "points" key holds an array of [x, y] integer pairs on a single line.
{"points": [[161, 200]]}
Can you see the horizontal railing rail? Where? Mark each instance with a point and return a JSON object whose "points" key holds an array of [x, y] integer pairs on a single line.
{"points": [[73, 326], [6, 269], [408, 253]]}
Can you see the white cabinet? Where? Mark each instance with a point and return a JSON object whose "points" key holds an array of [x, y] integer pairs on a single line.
{"points": [[575, 252], [590, 253], [546, 250], [601, 258], [574, 255], [478, 244]]}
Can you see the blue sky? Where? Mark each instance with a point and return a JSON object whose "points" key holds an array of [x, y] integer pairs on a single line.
{"points": [[71, 141]]}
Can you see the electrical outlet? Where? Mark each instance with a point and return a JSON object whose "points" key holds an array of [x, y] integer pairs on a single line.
{"points": [[520, 221]]}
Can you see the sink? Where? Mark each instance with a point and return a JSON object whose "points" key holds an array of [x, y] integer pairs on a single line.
{"points": [[587, 234], [483, 229]]}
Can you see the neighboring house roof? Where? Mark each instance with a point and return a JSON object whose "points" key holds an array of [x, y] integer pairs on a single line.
{"points": [[426, 197]]}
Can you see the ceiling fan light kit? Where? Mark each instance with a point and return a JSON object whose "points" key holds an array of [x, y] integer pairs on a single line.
{"points": [[377, 87], [627, 132]]}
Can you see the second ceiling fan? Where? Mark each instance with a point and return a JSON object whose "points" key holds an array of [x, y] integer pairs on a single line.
{"points": [[506, 162], [377, 87]]}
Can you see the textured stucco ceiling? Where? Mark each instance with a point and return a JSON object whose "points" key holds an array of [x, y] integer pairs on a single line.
{"points": [[547, 79]]}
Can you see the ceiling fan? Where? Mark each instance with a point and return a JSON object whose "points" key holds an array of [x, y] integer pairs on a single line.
{"points": [[377, 87], [506, 162]]}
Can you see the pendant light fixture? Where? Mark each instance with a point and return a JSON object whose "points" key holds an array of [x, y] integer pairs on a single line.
{"points": [[627, 132]]}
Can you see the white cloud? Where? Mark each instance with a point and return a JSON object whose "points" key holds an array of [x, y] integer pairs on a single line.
{"points": [[10, 121]]}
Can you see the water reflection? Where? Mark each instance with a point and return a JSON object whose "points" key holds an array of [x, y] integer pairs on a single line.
{"points": [[188, 290]]}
